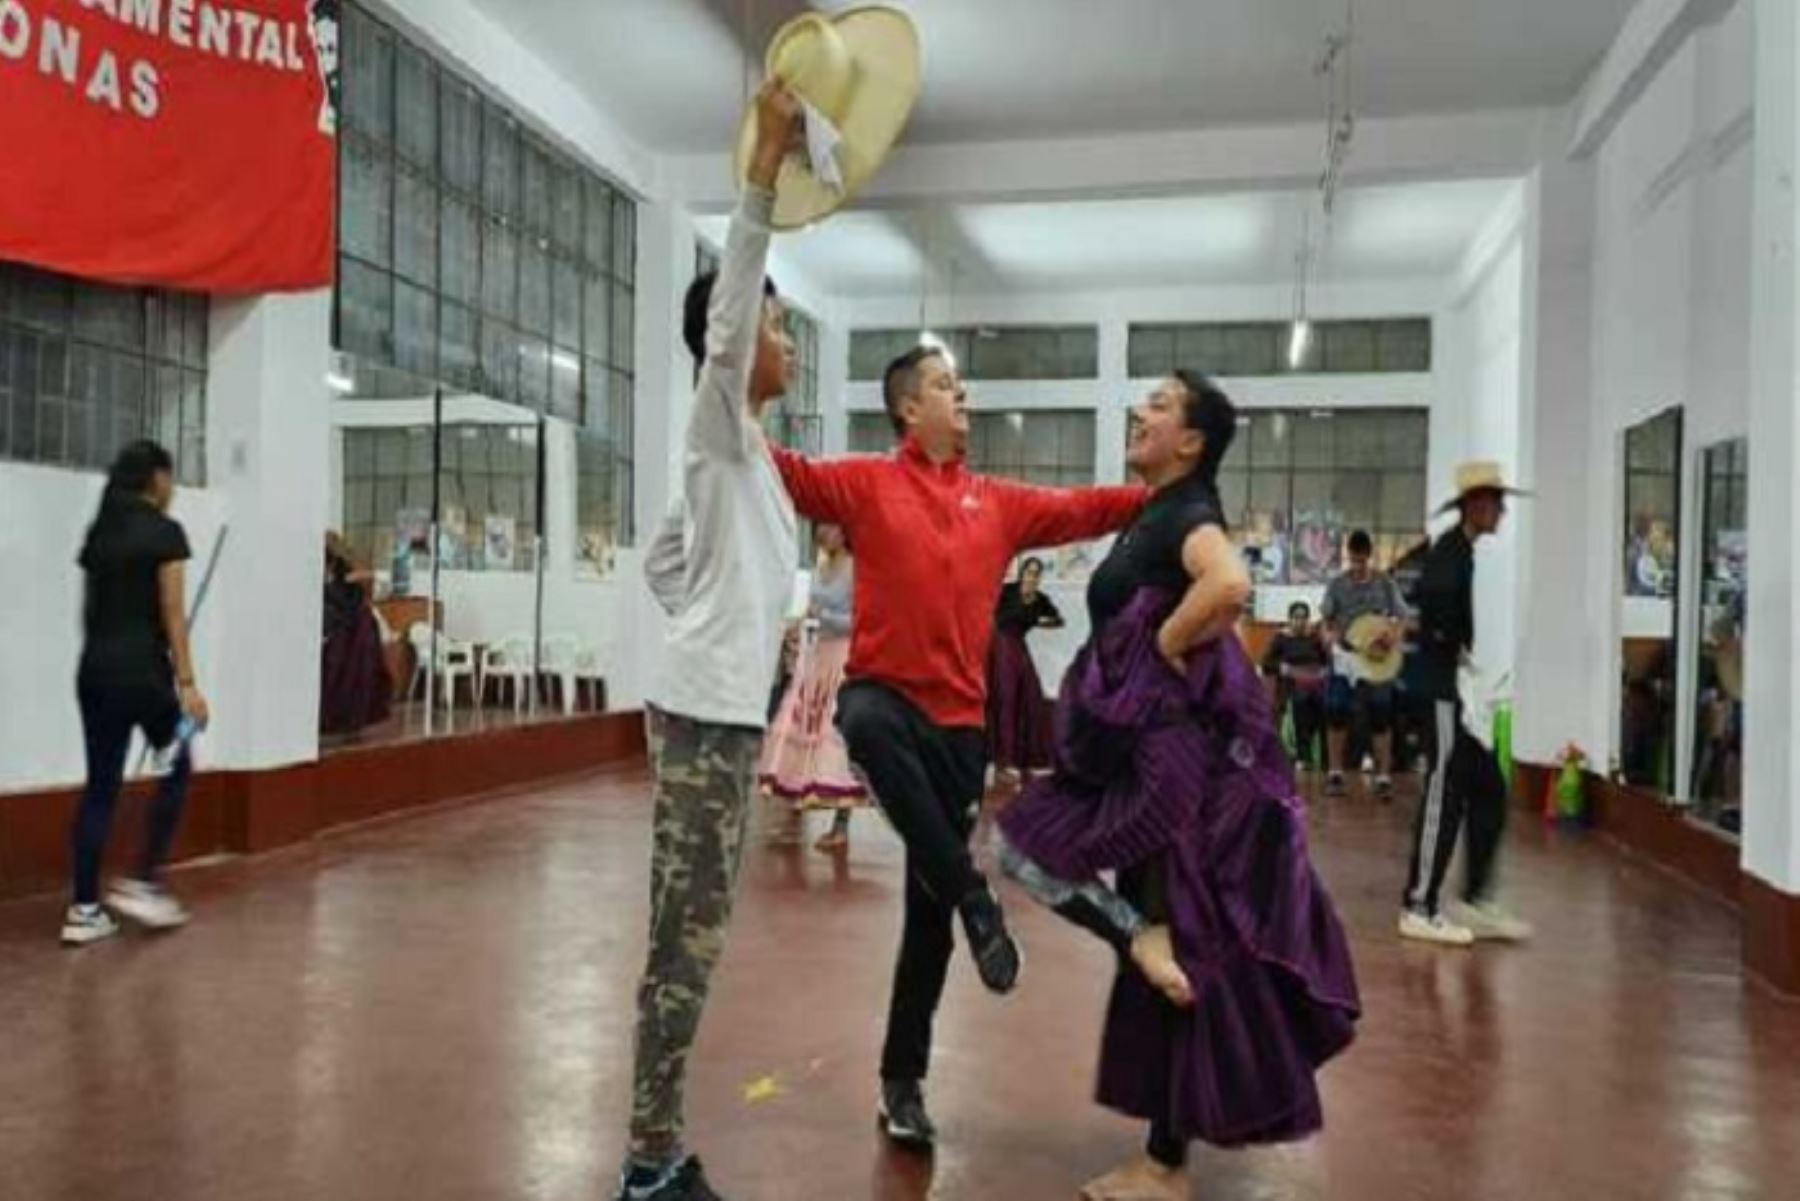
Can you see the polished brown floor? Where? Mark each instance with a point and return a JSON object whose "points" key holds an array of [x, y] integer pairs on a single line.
{"points": [[439, 1009]]}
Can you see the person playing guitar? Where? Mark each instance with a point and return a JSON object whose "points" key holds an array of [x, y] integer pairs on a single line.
{"points": [[1365, 620]]}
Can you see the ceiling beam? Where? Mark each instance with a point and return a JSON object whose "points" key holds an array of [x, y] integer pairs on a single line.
{"points": [[1387, 150], [1654, 32]]}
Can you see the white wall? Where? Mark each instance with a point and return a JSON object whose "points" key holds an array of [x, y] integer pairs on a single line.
{"points": [[1477, 415], [1557, 661], [1670, 309], [47, 511], [1772, 688]]}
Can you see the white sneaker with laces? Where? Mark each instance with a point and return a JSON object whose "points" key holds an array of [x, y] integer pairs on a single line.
{"points": [[148, 904], [1490, 923], [84, 924], [1435, 928]]}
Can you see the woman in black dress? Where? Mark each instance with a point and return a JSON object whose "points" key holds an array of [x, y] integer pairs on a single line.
{"points": [[355, 690], [1020, 716], [137, 673], [1234, 981]]}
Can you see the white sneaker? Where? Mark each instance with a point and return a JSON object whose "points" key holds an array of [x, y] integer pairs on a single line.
{"points": [[1435, 929], [1490, 923], [148, 905], [84, 924]]}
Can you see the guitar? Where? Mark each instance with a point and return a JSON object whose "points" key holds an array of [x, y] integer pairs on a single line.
{"points": [[1371, 651]]}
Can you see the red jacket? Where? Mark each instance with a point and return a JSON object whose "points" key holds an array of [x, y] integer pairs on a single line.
{"points": [[932, 545]]}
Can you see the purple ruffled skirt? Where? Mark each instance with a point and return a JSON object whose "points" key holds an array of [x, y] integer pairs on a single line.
{"points": [[1191, 774]]}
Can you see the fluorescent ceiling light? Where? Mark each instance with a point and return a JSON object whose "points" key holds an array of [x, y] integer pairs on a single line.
{"points": [[1298, 343]]}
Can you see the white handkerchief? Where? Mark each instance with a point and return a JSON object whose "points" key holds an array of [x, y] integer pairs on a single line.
{"points": [[822, 141]]}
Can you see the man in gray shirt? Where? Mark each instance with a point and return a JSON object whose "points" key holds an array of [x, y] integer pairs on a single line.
{"points": [[1361, 710]]}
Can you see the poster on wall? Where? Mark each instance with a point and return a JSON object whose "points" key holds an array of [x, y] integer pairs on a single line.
{"points": [[179, 143], [453, 538], [1317, 548]]}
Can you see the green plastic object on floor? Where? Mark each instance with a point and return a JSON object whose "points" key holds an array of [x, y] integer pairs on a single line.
{"points": [[1503, 740], [1571, 793]]}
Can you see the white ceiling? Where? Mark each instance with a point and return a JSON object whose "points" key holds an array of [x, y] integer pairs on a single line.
{"points": [[672, 71], [1398, 232]]}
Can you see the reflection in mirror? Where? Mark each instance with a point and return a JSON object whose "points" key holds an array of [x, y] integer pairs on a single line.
{"points": [[1652, 556], [1719, 697], [433, 596]]}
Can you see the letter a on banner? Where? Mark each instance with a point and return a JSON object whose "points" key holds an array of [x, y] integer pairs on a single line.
{"points": [[136, 153]]}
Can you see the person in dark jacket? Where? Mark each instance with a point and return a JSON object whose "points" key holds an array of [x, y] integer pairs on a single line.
{"points": [[1464, 781]]}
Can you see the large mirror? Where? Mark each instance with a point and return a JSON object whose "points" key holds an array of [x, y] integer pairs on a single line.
{"points": [[1651, 573], [1717, 789], [434, 567]]}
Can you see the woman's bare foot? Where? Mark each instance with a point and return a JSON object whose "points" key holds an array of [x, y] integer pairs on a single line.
{"points": [[1145, 1180], [832, 841], [1153, 950]]}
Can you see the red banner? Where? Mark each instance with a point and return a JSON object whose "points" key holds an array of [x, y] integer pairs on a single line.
{"points": [[183, 143]]}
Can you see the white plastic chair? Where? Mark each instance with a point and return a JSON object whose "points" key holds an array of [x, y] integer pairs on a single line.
{"points": [[593, 663], [507, 661], [418, 635], [455, 661], [561, 654]]}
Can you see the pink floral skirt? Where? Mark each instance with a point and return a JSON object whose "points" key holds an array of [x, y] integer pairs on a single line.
{"points": [[804, 758]]}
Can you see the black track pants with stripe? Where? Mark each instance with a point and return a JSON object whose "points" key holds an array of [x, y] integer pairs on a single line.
{"points": [[1464, 784]]}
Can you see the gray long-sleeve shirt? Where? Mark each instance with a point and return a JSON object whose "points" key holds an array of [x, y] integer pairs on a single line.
{"points": [[722, 565]]}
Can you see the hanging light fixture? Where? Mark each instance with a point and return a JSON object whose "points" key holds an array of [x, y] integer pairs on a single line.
{"points": [[1334, 67]]}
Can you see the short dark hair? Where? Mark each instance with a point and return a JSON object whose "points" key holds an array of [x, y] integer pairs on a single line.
{"points": [[698, 304], [901, 380], [1030, 562], [1299, 609], [1361, 544], [1209, 412]]}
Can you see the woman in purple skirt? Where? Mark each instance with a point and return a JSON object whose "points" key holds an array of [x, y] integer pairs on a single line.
{"points": [[1235, 982], [1019, 715]]}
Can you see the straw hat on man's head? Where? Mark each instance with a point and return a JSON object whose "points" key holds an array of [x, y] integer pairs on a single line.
{"points": [[1476, 477], [859, 70]]}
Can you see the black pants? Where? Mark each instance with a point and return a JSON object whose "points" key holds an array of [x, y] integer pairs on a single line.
{"points": [[1464, 784], [928, 780], [1367, 710], [109, 713], [1308, 710]]}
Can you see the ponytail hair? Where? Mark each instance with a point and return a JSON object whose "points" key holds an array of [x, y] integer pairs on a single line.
{"points": [[1210, 413], [130, 477]]}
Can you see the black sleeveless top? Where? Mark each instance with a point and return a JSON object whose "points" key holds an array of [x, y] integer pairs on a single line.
{"points": [[1148, 553]]}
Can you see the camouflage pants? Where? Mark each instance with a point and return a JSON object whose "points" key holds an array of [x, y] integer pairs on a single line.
{"points": [[705, 779]]}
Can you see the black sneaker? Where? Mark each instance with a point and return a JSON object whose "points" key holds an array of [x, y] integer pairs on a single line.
{"points": [[903, 1116], [997, 956], [682, 1181]]}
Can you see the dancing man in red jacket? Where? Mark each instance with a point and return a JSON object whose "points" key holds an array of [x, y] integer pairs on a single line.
{"points": [[933, 544]]}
